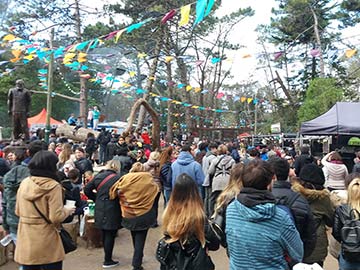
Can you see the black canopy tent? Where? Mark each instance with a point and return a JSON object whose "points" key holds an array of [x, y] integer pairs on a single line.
{"points": [[342, 119]]}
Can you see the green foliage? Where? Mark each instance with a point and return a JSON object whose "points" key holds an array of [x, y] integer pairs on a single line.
{"points": [[321, 95], [349, 14]]}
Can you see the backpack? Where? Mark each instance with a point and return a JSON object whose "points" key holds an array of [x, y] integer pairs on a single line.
{"points": [[287, 205], [350, 237], [191, 256]]}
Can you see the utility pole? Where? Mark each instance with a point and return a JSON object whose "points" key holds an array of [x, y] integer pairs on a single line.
{"points": [[318, 41], [255, 120], [50, 87], [83, 90]]}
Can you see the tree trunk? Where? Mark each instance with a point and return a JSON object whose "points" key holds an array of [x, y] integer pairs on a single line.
{"points": [[169, 120], [70, 132], [150, 81], [155, 131]]}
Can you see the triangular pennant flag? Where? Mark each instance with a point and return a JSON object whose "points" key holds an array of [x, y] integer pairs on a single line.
{"points": [[16, 53], [188, 88], [220, 95], [200, 11], [350, 53], [249, 100], [215, 60], [118, 34], [209, 7], [132, 73], [141, 55], [277, 55], [168, 16], [82, 45], [185, 15], [243, 99], [169, 59]]}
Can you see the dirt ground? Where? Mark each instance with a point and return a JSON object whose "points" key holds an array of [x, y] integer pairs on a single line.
{"points": [[91, 259]]}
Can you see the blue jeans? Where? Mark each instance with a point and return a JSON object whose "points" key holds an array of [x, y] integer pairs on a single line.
{"points": [[50, 266], [346, 265], [167, 194]]}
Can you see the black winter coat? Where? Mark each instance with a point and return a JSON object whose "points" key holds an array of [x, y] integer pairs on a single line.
{"points": [[107, 212], [300, 208], [342, 213], [126, 163], [300, 161]]}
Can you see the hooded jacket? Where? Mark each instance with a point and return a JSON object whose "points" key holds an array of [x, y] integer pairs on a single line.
{"points": [[259, 236], [185, 163], [12, 180], [323, 212], [37, 241], [220, 167]]}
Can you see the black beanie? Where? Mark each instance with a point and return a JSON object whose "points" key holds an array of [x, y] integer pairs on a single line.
{"points": [[313, 174]]}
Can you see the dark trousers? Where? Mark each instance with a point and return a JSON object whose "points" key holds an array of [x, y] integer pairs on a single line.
{"points": [[212, 204], [102, 153], [156, 206], [207, 195], [108, 242], [50, 266], [138, 239], [20, 125]]}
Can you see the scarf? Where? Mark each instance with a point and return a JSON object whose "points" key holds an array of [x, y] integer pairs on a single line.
{"points": [[251, 197]]}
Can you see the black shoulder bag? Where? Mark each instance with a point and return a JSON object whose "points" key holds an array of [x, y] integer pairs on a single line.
{"points": [[68, 244]]}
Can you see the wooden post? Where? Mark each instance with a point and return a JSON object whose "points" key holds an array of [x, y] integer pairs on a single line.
{"points": [[50, 86]]}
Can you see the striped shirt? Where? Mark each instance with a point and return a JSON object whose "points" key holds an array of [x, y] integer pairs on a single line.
{"points": [[259, 237]]}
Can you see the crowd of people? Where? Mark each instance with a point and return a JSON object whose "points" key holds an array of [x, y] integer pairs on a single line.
{"points": [[270, 198]]}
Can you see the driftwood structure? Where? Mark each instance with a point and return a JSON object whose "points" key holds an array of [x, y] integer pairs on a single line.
{"points": [[155, 131], [72, 133]]}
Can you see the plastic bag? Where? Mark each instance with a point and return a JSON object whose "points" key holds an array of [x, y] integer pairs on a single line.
{"points": [[82, 226]]}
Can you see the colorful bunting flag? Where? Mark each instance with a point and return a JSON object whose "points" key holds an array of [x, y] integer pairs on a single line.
{"points": [[350, 53], [185, 15]]}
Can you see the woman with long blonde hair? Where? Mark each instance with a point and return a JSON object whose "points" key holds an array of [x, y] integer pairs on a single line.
{"points": [[343, 213], [185, 225], [65, 156]]}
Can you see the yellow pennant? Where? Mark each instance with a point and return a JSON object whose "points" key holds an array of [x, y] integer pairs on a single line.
{"points": [[141, 55], [169, 59], [350, 53], [188, 88], [197, 89], [132, 73], [249, 100], [9, 37], [118, 34], [29, 57], [185, 15], [16, 53]]}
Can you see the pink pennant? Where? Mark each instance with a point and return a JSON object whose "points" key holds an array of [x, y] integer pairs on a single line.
{"points": [[111, 35], [315, 52], [168, 16], [277, 55], [107, 67], [199, 63], [101, 75], [220, 95]]}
